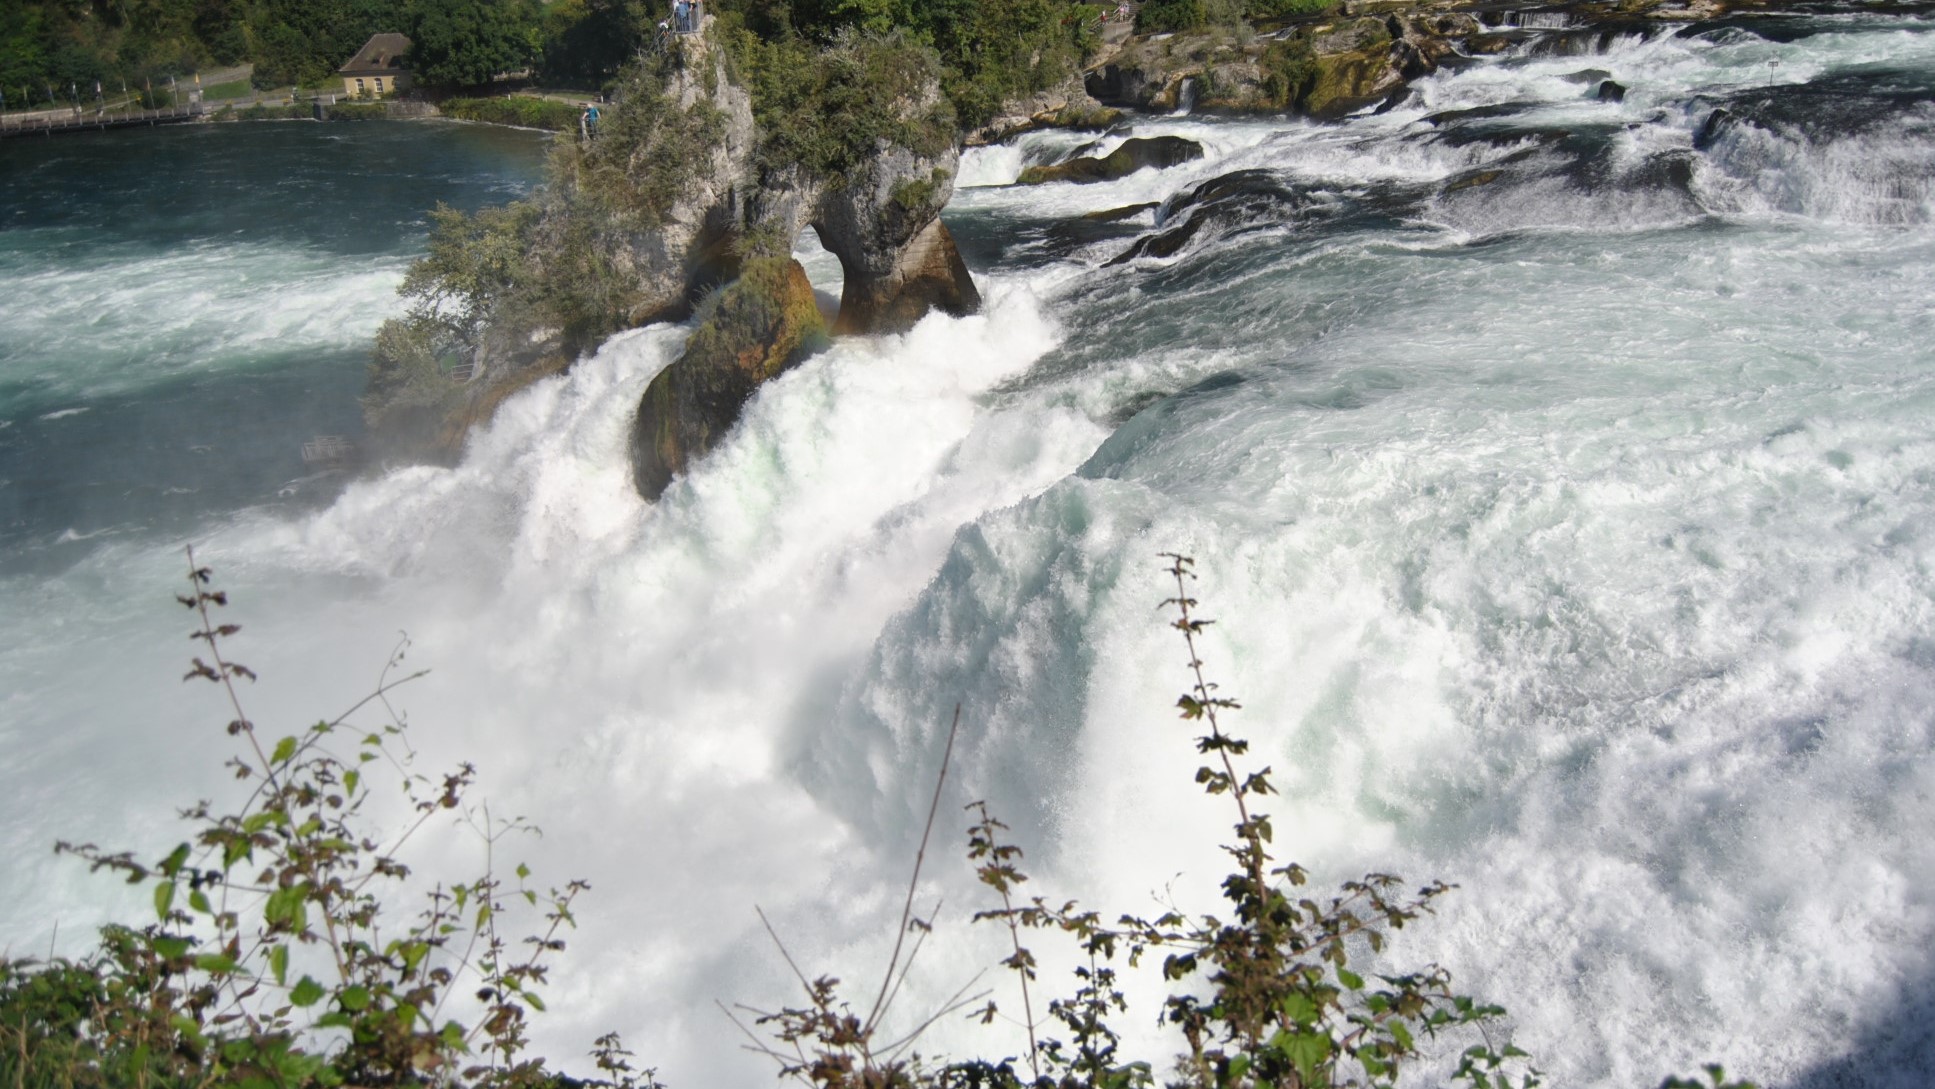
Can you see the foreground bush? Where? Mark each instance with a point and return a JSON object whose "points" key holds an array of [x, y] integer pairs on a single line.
{"points": [[282, 952]]}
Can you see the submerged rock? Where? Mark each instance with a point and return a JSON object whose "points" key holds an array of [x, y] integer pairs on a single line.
{"points": [[1710, 129], [1231, 200], [1131, 156], [761, 325], [1115, 215]]}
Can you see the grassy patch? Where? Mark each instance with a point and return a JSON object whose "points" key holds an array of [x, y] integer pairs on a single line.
{"points": [[293, 111], [524, 111], [355, 111], [222, 92]]}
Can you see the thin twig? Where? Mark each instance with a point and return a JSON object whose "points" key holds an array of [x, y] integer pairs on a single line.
{"points": [[920, 856], [960, 1000], [926, 929], [774, 934], [757, 1045]]}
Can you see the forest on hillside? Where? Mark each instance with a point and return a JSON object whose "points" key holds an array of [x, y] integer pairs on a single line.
{"points": [[50, 46], [52, 49]]}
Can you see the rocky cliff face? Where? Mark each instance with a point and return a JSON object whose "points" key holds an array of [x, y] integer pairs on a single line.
{"points": [[1319, 68], [880, 216], [667, 201]]}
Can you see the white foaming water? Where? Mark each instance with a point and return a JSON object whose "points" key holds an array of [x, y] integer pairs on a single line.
{"points": [[117, 325], [988, 174], [763, 574], [1585, 568]]}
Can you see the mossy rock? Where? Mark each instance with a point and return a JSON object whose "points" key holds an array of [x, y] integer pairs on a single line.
{"points": [[757, 327], [1343, 81], [1133, 155]]}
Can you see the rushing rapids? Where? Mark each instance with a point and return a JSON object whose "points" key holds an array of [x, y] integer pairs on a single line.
{"points": [[1558, 463]]}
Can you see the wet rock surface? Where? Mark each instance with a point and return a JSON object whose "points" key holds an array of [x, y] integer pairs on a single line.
{"points": [[763, 324], [1126, 159]]}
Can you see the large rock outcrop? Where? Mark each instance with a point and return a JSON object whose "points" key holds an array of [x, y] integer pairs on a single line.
{"points": [[678, 189], [883, 223], [763, 323], [879, 215]]}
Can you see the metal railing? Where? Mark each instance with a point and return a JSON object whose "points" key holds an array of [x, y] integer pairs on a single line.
{"points": [[71, 120]]}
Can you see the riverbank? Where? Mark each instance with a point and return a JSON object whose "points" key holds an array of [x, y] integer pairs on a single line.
{"points": [[525, 111]]}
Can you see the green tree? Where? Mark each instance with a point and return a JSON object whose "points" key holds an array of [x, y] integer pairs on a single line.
{"points": [[463, 43], [824, 18], [586, 42], [23, 59]]}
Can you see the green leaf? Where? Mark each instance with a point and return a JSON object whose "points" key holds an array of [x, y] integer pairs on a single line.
{"points": [[1350, 979], [350, 779], [1305, 1050], [164, 899], [523, 871], [215, 962], [412, 954], [186, 1025], [354, 999], [176, 859], [288, 907], [284, 749], [1299, 1008], [307, 993], [536, 1002], [1403, 1036], [170, 948], [198, 900], [279, 964]]}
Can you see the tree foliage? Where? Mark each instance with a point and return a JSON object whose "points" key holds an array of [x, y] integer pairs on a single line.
{"points": [[463, 43], [48, 45], [988, 51]]}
